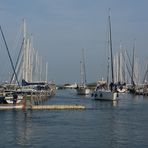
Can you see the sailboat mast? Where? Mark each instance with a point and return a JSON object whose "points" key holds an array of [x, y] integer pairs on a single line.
{"points": [[108, 72], [46, 72], [81, 73], [133, 61], [111, 52], [84, 70], [24, 51]]}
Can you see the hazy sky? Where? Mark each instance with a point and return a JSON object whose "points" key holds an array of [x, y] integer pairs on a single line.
{"points": [[61, 28]]}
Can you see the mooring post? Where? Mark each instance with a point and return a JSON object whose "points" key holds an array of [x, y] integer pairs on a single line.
{"points": [[24, 102]]}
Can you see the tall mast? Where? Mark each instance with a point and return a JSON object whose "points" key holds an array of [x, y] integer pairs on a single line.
{"points": [[27, 60], [108, 72], [36, 67], [46, 72], [133, 61], [24, 50], [84, 69], [31, 57], [111, 52], [40, 65], [81, 73], [124, 67]]}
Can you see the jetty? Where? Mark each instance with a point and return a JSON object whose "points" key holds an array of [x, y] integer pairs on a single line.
{"points": [[43, 107], [58, 107]]}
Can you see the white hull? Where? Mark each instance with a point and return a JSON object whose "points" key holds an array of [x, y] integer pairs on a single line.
{"points": [[83, 91], [105, 95], [121, 90], [9, 99]]}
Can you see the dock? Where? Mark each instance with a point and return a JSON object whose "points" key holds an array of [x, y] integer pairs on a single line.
{"points": [[57, 107], [43, 107], [9, 107]]}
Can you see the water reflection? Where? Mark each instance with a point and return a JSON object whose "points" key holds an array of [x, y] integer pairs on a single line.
{"points": [[24, 128], [96, 104], [112, 124]]}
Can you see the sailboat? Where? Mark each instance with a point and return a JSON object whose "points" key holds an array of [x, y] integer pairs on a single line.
{"points": [[110, 93], [82, 89], [16, 94]]}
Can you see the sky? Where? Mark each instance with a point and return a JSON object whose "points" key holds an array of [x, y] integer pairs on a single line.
{"points": [[61, 28]]}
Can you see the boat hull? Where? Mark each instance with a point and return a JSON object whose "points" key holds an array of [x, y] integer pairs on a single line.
{"points": [[105, 95], [83, 91], [10, 99], [121, 90]]}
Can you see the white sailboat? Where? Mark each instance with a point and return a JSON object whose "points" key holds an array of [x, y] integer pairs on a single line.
{"points": [[119, 69], [10, 98], [82, 89], [110, 93], [105, 95]]}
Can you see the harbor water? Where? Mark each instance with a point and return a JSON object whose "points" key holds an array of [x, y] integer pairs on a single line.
{"points": [[120, 124]]}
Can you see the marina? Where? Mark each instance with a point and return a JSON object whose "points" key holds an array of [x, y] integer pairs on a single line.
{"points": [[73, 74], [26, 83]]}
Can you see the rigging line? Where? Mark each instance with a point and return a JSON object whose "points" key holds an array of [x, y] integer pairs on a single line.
{"points": [[128, 58], [127, 66], [146, 74], [17, 60], [9, 55], [130, 66]]}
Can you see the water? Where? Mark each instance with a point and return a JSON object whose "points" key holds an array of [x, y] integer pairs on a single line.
{"points": [[103, 124]]}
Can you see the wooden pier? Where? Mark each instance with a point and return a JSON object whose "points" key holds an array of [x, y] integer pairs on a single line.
{"points": [[43, 107], [9, 107], [57, 107]]}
